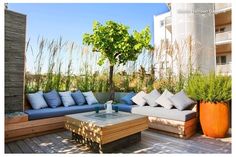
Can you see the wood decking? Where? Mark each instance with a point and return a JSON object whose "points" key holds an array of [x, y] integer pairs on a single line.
{"points": [[151, 142]]}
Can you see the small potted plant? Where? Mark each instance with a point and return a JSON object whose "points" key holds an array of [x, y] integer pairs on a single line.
{"points": [[214, 93]]}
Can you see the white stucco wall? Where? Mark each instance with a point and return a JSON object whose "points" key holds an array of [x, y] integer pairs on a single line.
{"points": [[195, 20]]}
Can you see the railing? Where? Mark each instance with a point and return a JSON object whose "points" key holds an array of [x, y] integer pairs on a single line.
{"points": [[223, 36], [222, 6], [224, 69]]}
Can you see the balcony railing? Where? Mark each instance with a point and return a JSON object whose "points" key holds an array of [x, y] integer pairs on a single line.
{"points": [[219, 7], [223, 36], [224, 69]]}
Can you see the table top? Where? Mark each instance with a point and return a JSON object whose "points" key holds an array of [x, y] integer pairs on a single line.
{"points": [[103, 119]]}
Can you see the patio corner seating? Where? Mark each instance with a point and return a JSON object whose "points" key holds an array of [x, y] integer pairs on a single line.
{"points": [[47, 120]]}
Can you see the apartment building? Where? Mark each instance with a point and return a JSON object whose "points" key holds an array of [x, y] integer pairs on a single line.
{"points": [[210, 27], [223, 21]]}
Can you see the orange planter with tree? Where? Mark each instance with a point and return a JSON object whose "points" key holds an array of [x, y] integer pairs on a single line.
{"points": [[213, 92]]}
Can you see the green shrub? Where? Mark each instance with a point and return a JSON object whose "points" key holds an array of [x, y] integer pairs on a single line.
{"points": [[211, 87]]}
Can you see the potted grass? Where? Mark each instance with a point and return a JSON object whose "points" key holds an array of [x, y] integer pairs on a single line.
{"points": [[214, 93]]}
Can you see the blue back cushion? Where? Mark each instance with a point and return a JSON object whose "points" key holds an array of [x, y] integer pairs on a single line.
{"points": [[78, 97], [36, 100], [52, 98], [127, 98]]}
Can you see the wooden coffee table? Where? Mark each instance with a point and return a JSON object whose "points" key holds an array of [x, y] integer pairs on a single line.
{"points": [[106, 132]]}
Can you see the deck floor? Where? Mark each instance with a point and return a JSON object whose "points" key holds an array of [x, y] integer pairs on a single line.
{"points": [[152, 142]]}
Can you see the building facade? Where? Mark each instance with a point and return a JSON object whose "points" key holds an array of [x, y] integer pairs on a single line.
{"points": [[200, 32]]}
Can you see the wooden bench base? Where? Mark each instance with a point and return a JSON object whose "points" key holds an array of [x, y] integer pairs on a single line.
{"points": [[174, 128], [21, 130]]}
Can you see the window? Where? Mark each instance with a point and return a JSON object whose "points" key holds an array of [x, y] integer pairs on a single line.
{"points": [[162, 23], [222, 29], [221, 60]]}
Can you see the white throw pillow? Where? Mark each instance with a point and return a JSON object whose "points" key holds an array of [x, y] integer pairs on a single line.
{"points": [[151, 97], [36, 100], [164, 101], [90, 98], [181, 100], [66, 98], [139, 98]]}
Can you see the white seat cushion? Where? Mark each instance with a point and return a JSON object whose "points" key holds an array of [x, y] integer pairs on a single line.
{"points": [[161, 112]]}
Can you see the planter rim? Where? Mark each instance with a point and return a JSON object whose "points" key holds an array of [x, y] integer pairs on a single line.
{"points": [[213, 102]]}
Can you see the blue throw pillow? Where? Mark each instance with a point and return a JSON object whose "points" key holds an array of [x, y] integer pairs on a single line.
{"points": [[52, 98], [66, 98], [36, 100], [127, 98], [78, 97], [90, 98]]}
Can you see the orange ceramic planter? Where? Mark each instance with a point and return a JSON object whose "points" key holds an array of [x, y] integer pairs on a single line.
{"points": [[214, 119]]}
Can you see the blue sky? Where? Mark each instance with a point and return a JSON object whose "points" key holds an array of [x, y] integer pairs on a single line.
{"points": [[72, 20]]}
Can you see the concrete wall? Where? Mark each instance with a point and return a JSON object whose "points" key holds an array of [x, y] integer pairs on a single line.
{"points": [[15, 27], [195, 20]]}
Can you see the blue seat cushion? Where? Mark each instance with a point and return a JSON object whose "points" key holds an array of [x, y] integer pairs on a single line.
{"points": [[123, 107], [127, 98], [60, 111]]}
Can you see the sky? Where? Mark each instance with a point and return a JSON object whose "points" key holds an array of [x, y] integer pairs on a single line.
{"points": [[71, 20]]}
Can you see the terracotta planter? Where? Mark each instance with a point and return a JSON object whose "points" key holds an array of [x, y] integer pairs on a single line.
{"points": [[214, 118]]}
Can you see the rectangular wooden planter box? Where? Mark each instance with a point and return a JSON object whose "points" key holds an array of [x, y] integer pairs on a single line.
{"points": [[25, 129], [16, 119]]}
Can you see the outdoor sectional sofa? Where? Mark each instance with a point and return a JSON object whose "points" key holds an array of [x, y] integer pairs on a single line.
{"points": [[42, 121], [61, 110]]}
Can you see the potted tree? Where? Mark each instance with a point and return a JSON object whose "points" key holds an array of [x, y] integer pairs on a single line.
{"points": [[214, 93]]}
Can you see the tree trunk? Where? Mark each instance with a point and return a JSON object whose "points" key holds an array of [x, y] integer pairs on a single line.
{"points": [[111, 86]]}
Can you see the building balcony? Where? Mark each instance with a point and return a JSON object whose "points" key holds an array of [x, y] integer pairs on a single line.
{"points": [[222, 7], [223, 38], [224, 69]]}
